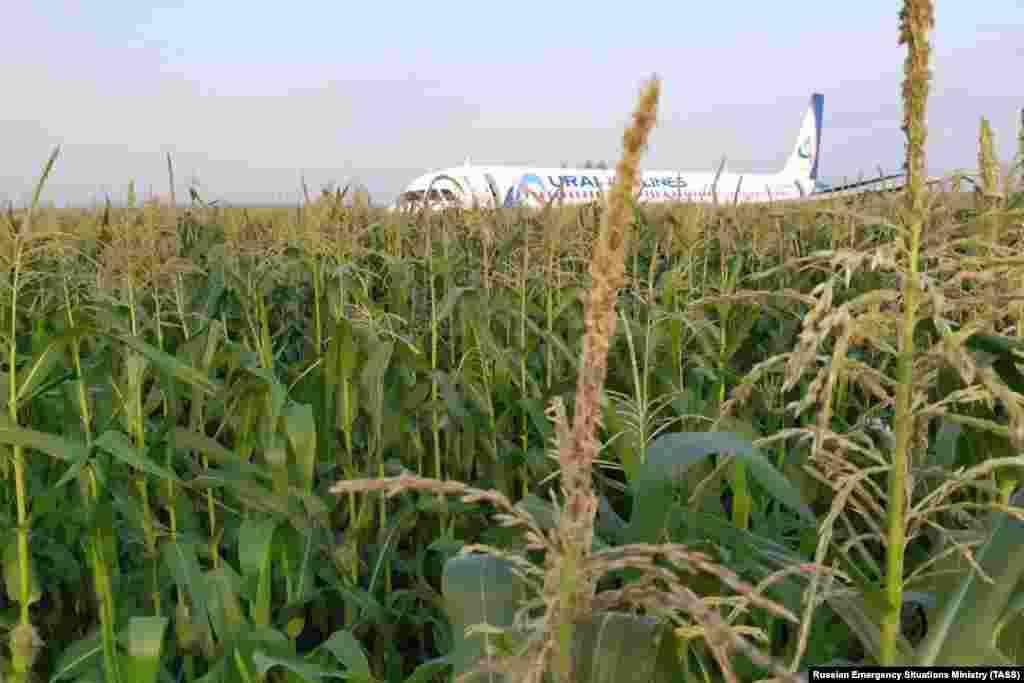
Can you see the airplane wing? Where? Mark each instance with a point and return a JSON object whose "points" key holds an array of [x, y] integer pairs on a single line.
{"points": [[885, 183], [881, 184]]}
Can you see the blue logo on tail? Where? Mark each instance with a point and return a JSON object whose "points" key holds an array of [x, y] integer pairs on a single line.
{"points": [[805, 151]]}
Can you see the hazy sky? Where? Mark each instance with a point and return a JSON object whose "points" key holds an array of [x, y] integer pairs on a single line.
{"points": [[247, 96]]}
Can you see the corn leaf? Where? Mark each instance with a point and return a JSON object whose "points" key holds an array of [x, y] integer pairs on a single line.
{"points": [[668, 457], [478, 589], [145, 636], [964, 633]]}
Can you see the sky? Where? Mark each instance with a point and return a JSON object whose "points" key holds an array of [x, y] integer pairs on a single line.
{"points": [[251, 97]]}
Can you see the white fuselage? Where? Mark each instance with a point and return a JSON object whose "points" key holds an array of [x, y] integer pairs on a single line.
{"points": [[524, 186]]}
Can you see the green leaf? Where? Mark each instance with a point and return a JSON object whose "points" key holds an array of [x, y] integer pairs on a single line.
{"points": [[483, 590], [535, 409], [244, 481], [864, 617], [1015, 606], [12, 573], [450, 301], [608, 523], [74, 470], [118, 445], [1009, 351], [478, 589], [33, 375], [300, 428], [301, 545], [614, 646], [372, 380], [453, 401], [223, 586], [201, 443], [555, 341], [670, 455], [180, 558], [427, 671], [342, 351], [77, 658], [265, 663], [145, 645], [964, 633], [372, 377], [168, 363], [946, 444], [347, 650], [52, 445], [543, 512], [255, 541], [217, 673]]}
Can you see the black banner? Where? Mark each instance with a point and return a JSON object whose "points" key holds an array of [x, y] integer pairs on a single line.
{"points": [[915, 673]]}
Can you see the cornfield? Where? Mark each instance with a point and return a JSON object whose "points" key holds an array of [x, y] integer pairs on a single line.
{"points": [[617, 442]]}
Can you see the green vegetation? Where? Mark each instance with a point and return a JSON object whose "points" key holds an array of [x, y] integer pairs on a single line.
{"points": [[333, 442]]}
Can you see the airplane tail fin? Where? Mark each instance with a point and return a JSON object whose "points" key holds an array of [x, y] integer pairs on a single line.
{"points": [[803, 162]]}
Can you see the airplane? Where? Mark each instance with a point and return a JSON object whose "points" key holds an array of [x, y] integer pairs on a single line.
{"points": [[512, 186]]}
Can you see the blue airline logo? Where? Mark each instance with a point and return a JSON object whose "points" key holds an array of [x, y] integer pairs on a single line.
{"points": [[530, 186], [805, 148], [533, 186]]}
